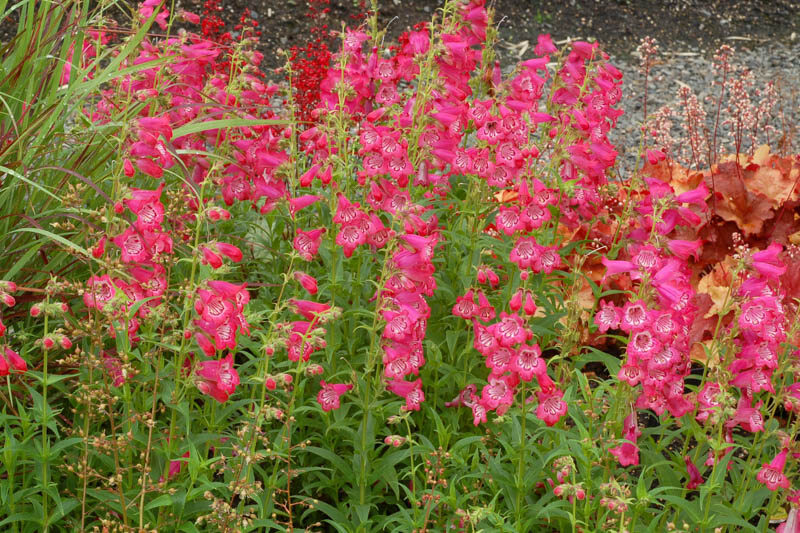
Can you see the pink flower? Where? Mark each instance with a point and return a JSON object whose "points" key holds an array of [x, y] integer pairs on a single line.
{"points": [[551, 406], [230, 251], [509, 330], [307, 243], [465, 306], [620, 267], [544, 45], [526, 254], [301, 202], [654, 156], [309, 283], [133, 245], [17, 363], [772, 475], [175, 466], [792, 523], [114, 368], [628, 452], [684, 249], [328, 397], [308, 309], [608, 317], [210, 258], [695, 479], [99, 292], [410, 390], [766, 262], [217, 378]]}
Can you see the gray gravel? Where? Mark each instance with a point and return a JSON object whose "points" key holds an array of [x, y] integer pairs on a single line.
{"points": [[770, 61]]}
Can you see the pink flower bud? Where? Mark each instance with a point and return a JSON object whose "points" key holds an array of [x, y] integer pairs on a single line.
{"points": [[210, 258], [516, 301], [65, 343], [309, 283], [190, 17], [9, 300], [48, 343], [36, 310], [119, 208], [270, 383], [230, 251], [128, 166], [17, 362], [530, 306]]}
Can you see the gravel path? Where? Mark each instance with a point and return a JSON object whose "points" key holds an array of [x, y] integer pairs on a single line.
{"points": [[770, 61]]}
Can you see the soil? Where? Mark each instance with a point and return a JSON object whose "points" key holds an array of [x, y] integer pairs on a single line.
{"points": [[677, 25]]}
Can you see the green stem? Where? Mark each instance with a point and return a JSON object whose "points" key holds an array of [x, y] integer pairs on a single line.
{"points": [[45, 441], [521, 462]]}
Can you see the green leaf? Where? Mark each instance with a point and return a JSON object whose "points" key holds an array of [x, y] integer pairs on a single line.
{"points": [[196, 127], [58, 238]]}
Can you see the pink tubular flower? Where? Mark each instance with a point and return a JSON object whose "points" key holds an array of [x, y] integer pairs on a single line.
{"points": [[307, 308], [608, 317], [307, 243], [544, 45], [695, 479], [210, 258], [330, 393], [551, 406], [792, 523], [684, 249], [17, 363], [766, 262], [410, 390], [628, 452], [772, 474], [230, 251], [309, 283], [217, 378]]}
